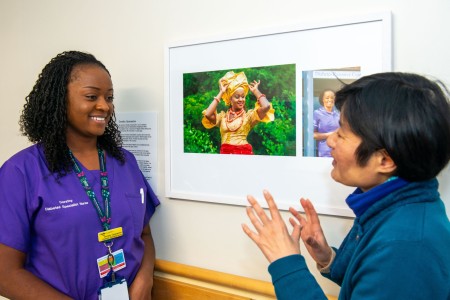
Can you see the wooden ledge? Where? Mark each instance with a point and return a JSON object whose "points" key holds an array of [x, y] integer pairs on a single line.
{"points": [[214, 277], [174, 281]]}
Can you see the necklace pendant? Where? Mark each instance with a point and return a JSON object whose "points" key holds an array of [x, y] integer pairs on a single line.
{"points": [[231, 121]]}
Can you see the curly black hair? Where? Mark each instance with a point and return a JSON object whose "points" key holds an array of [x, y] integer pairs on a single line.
{"points": [[44, 116]]}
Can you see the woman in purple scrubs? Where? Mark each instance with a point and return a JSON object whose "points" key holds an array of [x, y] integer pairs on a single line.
{"points": [[74, 206], [326, 121]]}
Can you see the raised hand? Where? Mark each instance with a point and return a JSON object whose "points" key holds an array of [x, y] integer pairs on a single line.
{"points": [[223, 85], [312, 234], [271, 235], [253, 86]]}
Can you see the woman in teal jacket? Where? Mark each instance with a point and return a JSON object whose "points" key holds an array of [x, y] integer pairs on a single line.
{"points": [[393, 140]]}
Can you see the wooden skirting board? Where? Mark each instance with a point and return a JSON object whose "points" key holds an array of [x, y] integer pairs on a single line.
{"points": [[174, 281]]}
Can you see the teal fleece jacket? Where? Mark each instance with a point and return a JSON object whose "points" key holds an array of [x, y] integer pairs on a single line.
{"points": [[399, 248]]}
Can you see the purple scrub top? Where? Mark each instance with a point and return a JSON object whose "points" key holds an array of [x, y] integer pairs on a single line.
{"points": [[325, 121], [55, 224]]}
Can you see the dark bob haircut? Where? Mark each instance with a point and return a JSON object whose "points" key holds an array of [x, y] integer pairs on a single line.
{"points": [[44, 115], [405, 114]]}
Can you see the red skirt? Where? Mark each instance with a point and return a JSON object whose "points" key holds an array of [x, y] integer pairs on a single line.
{"points": [[236, 149]]}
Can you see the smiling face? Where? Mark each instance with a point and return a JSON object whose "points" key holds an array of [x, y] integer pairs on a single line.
{"points": [[346, 170], [328, 100], [238, 99], [89, 103]]}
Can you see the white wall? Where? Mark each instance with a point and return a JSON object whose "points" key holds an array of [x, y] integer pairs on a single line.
{"points": [[130, 36]]}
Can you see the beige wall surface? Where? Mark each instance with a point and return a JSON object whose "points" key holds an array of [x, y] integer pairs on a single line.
{"points": [[130, 37]]}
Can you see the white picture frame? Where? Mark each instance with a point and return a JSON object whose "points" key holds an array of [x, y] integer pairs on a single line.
{"points": [[363, 41]]}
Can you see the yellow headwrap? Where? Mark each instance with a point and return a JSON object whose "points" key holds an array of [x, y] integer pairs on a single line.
{"points": [[234, 82]]}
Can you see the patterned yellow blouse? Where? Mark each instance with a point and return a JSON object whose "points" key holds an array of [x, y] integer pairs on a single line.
{"points": [[235, 132]]}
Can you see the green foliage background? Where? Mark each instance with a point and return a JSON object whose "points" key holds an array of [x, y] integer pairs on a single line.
{"points": [[274, 138]]}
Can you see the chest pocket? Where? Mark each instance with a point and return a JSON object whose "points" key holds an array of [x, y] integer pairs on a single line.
{"points": [[137, 207]]}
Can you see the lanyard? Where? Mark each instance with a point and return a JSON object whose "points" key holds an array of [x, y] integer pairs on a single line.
{"points": [[105, 216]]}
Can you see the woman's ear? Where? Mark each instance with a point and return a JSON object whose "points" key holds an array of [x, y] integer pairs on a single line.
{"points": [[386, 163]]}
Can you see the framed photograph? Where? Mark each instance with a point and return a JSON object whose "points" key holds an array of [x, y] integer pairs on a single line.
{"points": [[297, 69]]}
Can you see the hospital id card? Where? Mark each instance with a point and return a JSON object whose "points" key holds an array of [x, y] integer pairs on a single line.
{"points": [[118, 291], [118, 263]]}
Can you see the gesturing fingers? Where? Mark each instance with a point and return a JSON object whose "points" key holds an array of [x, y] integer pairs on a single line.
{"points": [[257, 223], [310, 211], [256, 213], [271, 234], [273, 209], [261, 223], [296, 231], [252, 235], [297, 215]]}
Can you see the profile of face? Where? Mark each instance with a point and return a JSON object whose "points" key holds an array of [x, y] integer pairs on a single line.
{"points": [[346, 170], [328, 100], [238, 99], [90, 97]]}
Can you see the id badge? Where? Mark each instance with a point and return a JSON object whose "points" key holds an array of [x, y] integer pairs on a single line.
{"points": [[117, 291], [119, 263]]}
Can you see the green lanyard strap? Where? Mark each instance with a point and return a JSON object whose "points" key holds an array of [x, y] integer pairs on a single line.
{"points": [[105, 217]]}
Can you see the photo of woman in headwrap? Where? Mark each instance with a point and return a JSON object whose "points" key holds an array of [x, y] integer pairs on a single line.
{"points": [[236, 123]]}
